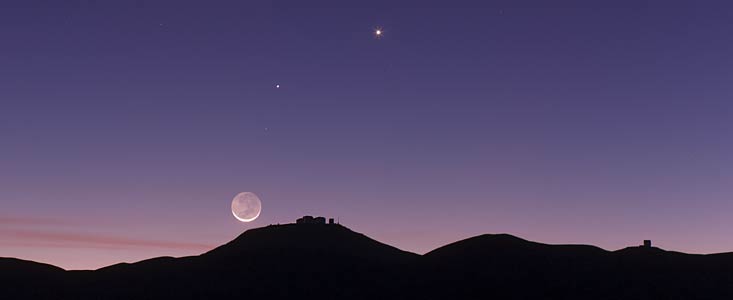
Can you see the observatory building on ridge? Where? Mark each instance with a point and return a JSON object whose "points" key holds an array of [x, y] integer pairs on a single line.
{"points": [[313, 220]]}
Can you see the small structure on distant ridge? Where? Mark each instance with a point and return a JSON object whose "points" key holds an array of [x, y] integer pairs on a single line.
{"points": [[647, 244], [305, 220], [313, 220]]}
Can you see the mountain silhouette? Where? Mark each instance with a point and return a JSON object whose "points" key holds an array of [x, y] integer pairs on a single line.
{"points": [[329, 261], [29, 280]]}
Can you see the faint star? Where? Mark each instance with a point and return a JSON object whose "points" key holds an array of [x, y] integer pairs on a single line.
{"points": [[277, 86]]}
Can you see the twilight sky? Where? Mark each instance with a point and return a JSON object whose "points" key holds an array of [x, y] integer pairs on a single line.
{"points": [[126, 127]]}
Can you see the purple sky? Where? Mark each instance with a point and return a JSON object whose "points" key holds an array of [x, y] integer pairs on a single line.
{"points": [[126, 128]]}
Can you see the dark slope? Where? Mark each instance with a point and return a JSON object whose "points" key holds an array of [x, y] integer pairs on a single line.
{"points": [[27, 279], [492, 245], [309, 239], [508, 267], [283, 261], [314, 261], [23, 268], [673, 275]]}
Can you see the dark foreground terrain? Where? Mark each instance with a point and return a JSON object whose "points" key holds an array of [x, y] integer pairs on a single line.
{"points": [[315, 261]]}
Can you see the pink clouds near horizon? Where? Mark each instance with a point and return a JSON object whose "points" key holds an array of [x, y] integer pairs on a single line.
{"points": [[26, 231], [84, 240], [85, 244]]}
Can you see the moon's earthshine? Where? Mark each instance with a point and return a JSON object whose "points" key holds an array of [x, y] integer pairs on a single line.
{"points": [[246, 207]]}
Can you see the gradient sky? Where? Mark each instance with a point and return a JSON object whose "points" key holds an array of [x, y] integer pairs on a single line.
{"points": [[126, 127]]}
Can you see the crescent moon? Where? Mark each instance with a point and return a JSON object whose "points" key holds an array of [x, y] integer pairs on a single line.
{"points": [[246, 207]]}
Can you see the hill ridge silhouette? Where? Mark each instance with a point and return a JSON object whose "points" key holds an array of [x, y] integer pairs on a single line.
{"points": [[331, 261]]}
